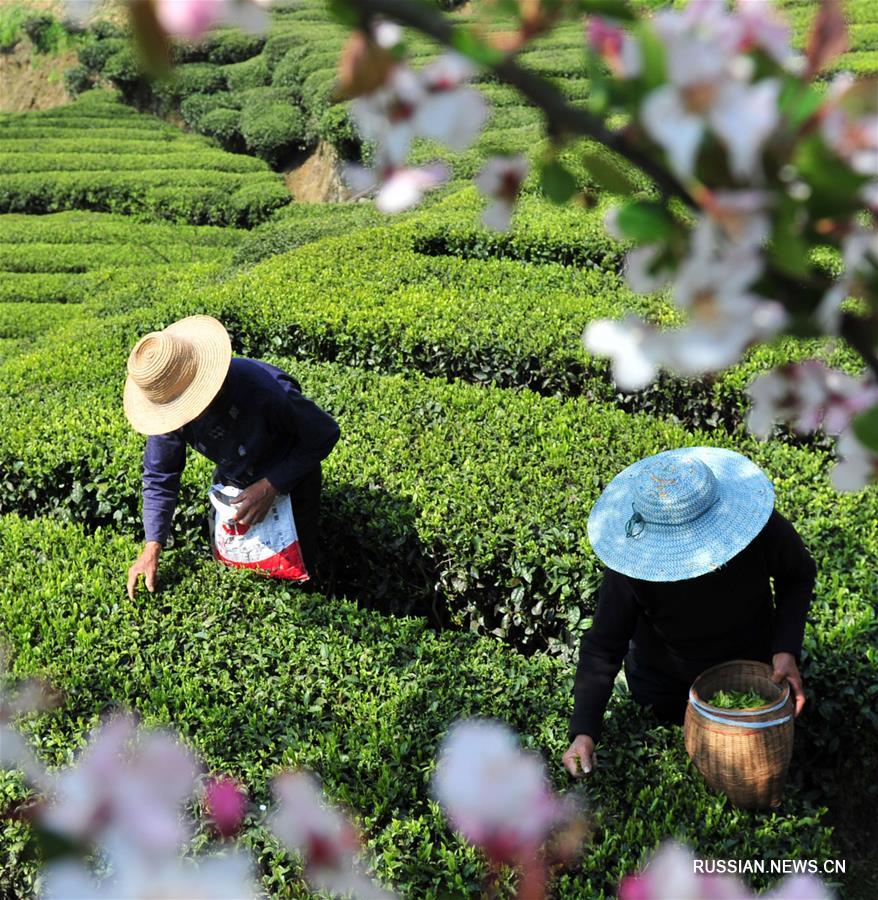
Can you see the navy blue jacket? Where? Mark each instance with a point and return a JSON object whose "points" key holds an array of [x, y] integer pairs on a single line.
{"points": [[259, 425]]}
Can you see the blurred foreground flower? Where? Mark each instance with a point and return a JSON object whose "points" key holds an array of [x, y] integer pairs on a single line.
{"points": [[674, 874], [499, 798], [226, 802], [305, 823], [500, 179], [189, 19]]}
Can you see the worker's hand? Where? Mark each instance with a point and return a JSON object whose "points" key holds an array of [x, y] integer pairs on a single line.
{"points": [[147, 565], [254, 502], [580, 758], [785, 667]]}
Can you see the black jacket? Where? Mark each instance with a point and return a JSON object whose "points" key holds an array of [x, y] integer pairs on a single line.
{"points": [[681, 628]]}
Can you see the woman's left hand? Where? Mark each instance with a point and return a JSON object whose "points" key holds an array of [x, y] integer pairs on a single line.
{"points": [[785, 667], [254, 502]]}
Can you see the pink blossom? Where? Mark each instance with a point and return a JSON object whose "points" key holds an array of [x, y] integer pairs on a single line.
{"points": [[671, 874], [762, 27], [857, 465], [126, 789], [495, 794], [190, 19], [226, 803], [620, 51], [708, 89], [433, 103], [849, 124], [306, 823]]}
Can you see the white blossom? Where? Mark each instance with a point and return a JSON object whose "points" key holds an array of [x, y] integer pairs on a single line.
{"points": [[495, 794], [807, 395], [398, 188], [218, 878], [762, 27], [850, 127], [708, 88], [500, 179], [671, 874], [857, 465], [126, 789], [634, 347], [306, 823]]}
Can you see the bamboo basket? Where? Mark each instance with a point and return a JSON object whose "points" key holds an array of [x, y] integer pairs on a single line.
{"points": [[744, 753]]}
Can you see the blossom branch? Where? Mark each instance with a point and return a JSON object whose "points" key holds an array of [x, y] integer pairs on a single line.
{"points": [[562, 117]]}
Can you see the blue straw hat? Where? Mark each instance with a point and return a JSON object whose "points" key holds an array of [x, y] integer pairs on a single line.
{"points": [[680, 514]]}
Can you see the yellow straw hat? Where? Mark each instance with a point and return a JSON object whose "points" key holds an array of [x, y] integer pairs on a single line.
{"points": [[174, 374]]}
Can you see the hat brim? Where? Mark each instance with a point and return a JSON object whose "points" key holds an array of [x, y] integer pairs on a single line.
{"points": [[745, 499], [213, 354]]}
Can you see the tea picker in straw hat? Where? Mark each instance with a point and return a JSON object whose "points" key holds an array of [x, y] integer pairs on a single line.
{"points": [[184, 389], [692, 544]]}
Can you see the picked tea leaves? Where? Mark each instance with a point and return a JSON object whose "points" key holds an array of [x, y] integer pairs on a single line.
{"points": [[737, 699]]}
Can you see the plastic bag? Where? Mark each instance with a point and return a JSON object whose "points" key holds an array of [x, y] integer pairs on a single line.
{"points": [[271, 546]]}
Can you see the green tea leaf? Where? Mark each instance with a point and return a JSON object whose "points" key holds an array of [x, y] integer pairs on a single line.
{"points": [[607, 172], [644, 222], [865, 427], [465, 42], [556, 182]]}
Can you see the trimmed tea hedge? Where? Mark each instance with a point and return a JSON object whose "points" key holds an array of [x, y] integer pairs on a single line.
{"points": [[79, 227], [190, 182], [371, 299], [257, 677]]}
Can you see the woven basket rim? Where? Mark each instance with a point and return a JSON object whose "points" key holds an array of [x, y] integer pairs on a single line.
{"points": [[753, 710]]}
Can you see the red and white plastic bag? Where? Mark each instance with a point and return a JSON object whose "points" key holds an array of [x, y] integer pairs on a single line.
{"points": [[271, 546]]}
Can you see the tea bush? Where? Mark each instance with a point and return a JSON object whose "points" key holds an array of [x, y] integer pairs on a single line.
{"points": [[256, 676], [190, 181]]}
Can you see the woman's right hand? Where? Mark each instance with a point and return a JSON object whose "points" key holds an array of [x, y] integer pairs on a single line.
{"points": [[147, 565], [580, 757]]}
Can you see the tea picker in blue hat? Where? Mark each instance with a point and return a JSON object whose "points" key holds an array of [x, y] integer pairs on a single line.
{"points": [[701, 569]]}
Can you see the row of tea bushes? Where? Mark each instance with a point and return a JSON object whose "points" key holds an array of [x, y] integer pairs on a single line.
{"points": [[70, 256], [475, 498], [469, 500], [400, 298], [82, 227], [259, 677], [184, 185]]}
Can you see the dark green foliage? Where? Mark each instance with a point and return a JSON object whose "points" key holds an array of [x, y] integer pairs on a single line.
{"points": [[192, 78], [288, 72], [272, 131], [44, 32], [233, 46], [196, 106], [76, 80], [107, 29], [257, 677], [248, 74], [337, 128], [224, 125], [122, 69], [277, 46], [301, 223]]}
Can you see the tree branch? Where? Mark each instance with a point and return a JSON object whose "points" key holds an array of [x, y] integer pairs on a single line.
{"points": [[563, 118], [561, 115]]}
